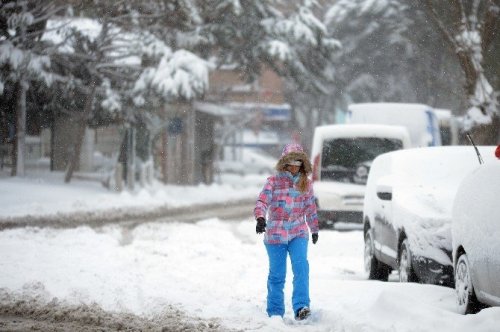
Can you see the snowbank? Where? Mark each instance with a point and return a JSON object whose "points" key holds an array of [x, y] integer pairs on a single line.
{"points": [[45, 195]]}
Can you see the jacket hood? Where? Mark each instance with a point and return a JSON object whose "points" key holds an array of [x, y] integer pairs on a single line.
{"points": [[293, 152]]}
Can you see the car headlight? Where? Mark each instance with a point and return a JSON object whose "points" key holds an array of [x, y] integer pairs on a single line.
{"points": [[361, 175], [362, 171]]}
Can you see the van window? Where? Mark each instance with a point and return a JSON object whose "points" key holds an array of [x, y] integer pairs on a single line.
{"points": [[342, 158]]}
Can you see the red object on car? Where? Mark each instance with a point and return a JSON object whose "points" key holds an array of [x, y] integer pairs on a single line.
{"points": [[497, 152]]}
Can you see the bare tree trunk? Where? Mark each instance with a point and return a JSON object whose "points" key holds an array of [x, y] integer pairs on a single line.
{"points": [[190, 147], [173, 157], [20, 146], [482, 23], [130, 176], [80, 134], [164, 156], [13, 158], [52, 140]]}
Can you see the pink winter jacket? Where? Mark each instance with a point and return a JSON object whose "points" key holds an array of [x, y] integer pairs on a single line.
{"points": [[289, 212]]}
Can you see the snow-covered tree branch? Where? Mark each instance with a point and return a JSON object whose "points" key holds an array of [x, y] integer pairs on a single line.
{"points": [[470, 32], [23, 59]]}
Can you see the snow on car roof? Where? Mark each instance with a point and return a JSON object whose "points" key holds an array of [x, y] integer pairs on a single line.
{"points": [[482, 185], [442, 113], [388, 106], [440, 167], [429, 159], [360, 130], [475, 209]]}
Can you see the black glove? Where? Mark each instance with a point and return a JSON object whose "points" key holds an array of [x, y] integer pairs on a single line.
{"points": [[315, 237], [261, 225]]}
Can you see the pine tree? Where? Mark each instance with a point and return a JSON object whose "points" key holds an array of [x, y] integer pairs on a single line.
{"points": [[23, 58]]}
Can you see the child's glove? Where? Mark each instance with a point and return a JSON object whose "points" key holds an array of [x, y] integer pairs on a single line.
{"points": [[261, 225], [315, 237]]}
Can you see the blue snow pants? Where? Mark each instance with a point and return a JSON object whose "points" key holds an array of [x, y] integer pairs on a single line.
{"points": [[297, 248]]}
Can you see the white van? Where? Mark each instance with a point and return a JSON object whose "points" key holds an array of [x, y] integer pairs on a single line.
{"points": [[419, 119], [342, 155]]}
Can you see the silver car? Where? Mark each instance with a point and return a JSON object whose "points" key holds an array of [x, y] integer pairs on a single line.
{"points": [[407, 211], [476, 239]]}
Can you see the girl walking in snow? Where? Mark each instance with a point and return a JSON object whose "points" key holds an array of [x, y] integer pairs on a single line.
{"points": [[288, 202]]}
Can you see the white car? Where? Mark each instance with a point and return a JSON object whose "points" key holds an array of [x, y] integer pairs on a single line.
{"points": [[476, 239], [407, 211], [342, 156]]}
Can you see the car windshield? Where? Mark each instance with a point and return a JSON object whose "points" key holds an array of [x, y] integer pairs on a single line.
{"points": [[342, 157]]}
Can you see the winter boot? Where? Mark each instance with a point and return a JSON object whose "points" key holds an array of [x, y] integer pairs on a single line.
{"points": [[302, 313]]}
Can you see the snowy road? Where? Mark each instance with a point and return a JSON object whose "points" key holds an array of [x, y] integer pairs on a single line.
{"points": [[132, 216], [203, 276]]}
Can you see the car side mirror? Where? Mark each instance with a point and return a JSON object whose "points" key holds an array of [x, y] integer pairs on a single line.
{"points": [[384, 192], [384, 196]]}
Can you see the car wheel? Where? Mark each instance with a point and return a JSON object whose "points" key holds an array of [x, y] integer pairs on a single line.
{"points": [[466, 298], [405, 268], [375, 269]]}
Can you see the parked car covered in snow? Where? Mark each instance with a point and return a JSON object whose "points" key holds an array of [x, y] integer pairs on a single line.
{"points": [[342, 156], [476, 238], [407, 212]]}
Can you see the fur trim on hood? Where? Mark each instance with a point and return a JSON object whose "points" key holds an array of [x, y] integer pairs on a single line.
{"points": [[295, 154]]}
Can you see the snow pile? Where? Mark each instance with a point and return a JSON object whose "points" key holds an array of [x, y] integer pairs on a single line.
{"points": [[45, 194]]}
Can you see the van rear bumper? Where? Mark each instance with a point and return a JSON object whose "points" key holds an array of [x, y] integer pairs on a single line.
{"points": [[328, 218]]}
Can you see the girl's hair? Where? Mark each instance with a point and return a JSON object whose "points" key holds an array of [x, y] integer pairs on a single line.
{"points": [[302, 184]]}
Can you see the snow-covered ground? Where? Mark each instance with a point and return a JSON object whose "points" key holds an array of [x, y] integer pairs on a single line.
{"points": [[216, 269], [212, 269]]}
